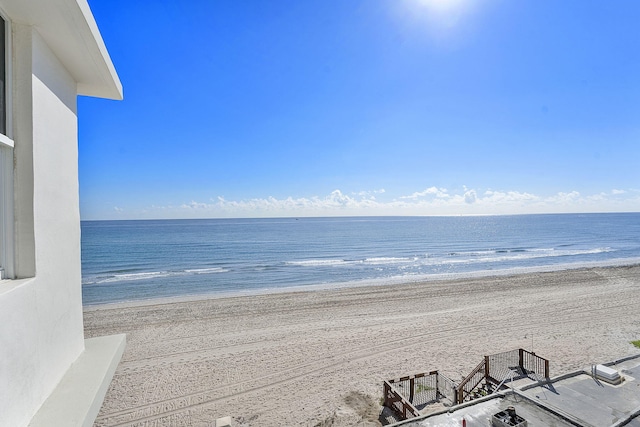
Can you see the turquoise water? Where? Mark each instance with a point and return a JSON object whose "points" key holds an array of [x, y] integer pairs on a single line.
{"points": [[133, 260]]}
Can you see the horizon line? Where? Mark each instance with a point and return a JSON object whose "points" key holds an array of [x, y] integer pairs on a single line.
{"points": [[298, 217]]}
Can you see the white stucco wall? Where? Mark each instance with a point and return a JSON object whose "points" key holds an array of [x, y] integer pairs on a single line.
{"points": [[41, 332]]}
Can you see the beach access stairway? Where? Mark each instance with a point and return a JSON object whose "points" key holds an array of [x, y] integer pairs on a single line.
{"points": [[414, 395]]}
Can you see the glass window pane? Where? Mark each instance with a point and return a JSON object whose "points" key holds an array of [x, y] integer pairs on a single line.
{"points": [[3, 83]]}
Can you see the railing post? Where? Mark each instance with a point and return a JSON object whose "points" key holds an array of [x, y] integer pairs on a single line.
{"points": [[486, 368], [546, 368], [387, 389], [521, 358], [411, 386]]}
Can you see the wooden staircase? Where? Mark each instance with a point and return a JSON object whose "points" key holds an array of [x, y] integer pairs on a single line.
{"points": [[489, 376]]}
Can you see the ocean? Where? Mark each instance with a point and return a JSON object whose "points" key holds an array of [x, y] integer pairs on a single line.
{"points": [[148, 259]]}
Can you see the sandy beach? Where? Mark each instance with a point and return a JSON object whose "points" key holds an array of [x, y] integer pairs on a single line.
{"points": [[318, 358]]}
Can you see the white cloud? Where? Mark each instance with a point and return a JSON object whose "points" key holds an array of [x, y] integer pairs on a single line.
{"points": [[431, 191], [509, 196], [369, 194], [430, 201], [564, 198], [470, 197], [194, 205], [336, 201]]}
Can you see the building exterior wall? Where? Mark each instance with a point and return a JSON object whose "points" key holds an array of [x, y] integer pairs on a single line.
{"points": [[41, 332]]}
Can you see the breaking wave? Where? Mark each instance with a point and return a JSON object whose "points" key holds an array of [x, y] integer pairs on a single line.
{"points": [[148, 275]]}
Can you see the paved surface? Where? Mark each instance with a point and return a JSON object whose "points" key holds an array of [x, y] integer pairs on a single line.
{"points": [[480, 414], [634, 423], [581, 398], [596, 403]]}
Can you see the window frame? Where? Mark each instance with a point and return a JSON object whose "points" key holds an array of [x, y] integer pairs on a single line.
{"points": [[7, 270]]}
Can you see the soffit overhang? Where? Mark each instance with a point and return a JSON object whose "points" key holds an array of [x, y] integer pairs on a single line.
{"points": [[70, 30]]}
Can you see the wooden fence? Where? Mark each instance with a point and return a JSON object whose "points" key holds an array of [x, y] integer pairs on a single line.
{"points": [[471, 382], [497, 368], [396, 401], [404, 395]]}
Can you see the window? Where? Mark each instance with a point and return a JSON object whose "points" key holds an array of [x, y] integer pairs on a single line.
{"points": [[6, 157], [3, 83], [5, 86]]}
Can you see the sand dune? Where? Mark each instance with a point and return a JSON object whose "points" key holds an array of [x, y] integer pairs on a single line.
{"points": [[313, 358]]}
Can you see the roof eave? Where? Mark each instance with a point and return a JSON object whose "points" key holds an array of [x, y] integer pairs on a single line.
{"points": [[70, 30]]}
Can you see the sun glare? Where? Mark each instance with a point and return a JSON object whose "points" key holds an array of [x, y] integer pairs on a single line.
{"points": [[440, 18], [442, 6]]}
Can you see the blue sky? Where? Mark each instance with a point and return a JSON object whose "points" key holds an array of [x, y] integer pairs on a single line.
{"points": [[373, 107]]}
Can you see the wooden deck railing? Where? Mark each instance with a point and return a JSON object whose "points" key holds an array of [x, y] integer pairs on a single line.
{"points": [[533, 363], [395, 401], [497, 368], [471, 381], [404, 394], [447, 389]]}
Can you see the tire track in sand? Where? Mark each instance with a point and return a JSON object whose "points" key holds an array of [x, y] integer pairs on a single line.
{"points": [[165, 408]]}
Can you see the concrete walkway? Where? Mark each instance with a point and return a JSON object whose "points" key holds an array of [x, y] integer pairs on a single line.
{"points": [[595, 403], [575, 399]]}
